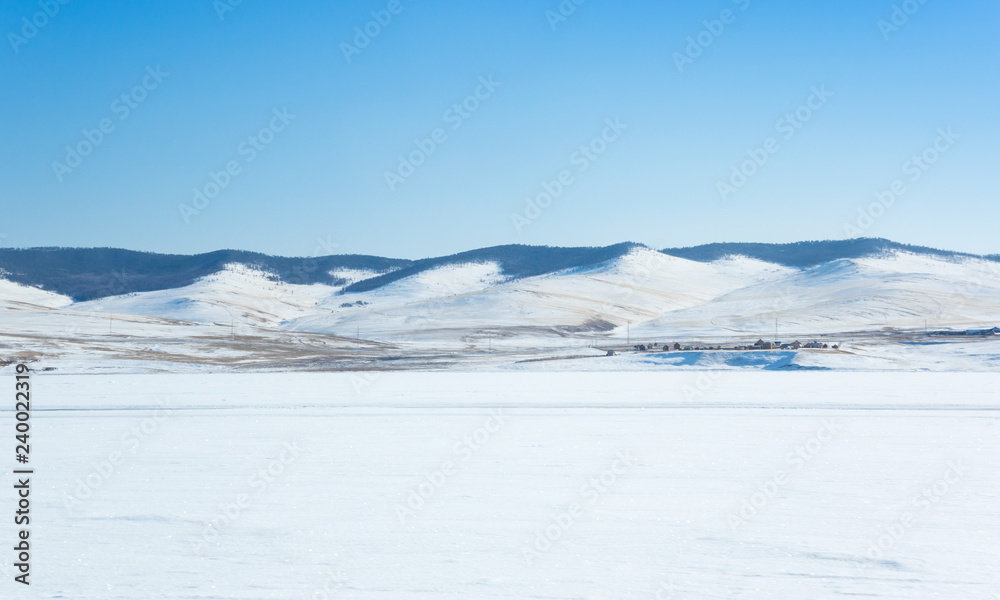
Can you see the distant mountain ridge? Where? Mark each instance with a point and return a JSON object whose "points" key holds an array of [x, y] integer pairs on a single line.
{"points": [[810, 254], [93, 273]]}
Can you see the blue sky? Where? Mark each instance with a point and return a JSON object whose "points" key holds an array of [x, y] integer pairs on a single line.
{"points": [[928, 86]]}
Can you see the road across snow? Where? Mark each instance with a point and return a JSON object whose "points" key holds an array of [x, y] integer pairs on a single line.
{"points": [[513, 485]]}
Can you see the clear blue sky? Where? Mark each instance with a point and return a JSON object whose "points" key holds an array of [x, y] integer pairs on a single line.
{"points": [[323, 175]]}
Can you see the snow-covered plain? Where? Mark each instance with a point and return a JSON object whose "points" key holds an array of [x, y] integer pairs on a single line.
{"points": [[513, 485]]}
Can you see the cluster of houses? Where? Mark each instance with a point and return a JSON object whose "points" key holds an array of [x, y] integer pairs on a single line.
{"points": [[758, 345], [762, 345], [982, 332], [796, 345]]}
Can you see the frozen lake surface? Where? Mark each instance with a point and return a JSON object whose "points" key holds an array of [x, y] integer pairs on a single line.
{"points": [[512, 485]]}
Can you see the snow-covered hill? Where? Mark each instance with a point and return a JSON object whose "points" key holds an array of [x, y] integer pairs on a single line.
{"points": [[237, 293], [662, 297], [654, 294], [637, 294], [900, 290], [454, 302], [23, 297]]}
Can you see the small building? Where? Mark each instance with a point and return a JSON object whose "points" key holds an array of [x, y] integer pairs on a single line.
{"points": [[795, 345], [677, 346], [610, 353]]}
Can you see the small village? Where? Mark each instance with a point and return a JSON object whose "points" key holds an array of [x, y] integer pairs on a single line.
{"points": [[758, 345], [761, 344]]}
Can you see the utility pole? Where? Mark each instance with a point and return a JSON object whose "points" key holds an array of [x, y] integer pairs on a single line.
{"points": [[775, 329]]}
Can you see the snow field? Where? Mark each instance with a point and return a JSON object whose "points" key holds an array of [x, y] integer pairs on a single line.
{"points": [[613, 485]]}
